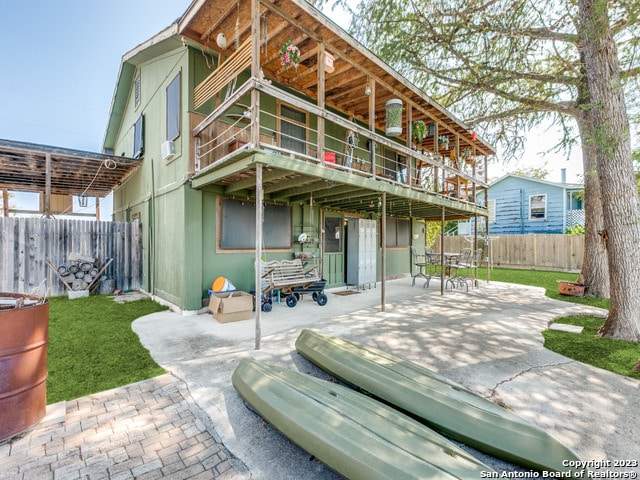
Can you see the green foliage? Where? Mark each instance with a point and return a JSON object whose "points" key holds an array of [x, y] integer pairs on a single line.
{"points": [[93, 348], [432, 233], [418, 131], [575, 230], [534, 172], [502, 66]]}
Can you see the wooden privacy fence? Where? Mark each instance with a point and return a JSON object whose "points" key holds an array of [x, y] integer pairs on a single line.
{"points": [[27, 243], [536, 251]]}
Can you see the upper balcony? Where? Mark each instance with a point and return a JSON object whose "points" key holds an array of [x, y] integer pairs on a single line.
{"points": [[322, 134]]}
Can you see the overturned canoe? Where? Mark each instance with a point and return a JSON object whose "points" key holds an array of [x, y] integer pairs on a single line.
{"points": [[442, 404], [352, 434]]}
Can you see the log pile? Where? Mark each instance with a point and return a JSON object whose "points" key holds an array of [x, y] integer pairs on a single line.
{"points": [[80, 273]]}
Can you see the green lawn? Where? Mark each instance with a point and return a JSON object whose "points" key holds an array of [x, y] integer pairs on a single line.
{"points": [[613, 355], [93, 348]]}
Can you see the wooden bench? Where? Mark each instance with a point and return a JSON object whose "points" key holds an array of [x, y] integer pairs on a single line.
{"points": [[284, 275]]}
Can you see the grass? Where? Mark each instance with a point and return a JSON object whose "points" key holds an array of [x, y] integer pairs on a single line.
{"points": [[614, 355], [92, 347]]}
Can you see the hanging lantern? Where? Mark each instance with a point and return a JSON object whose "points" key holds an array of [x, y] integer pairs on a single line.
{"points": [[394, 117], [83, 201], [328, 62]]}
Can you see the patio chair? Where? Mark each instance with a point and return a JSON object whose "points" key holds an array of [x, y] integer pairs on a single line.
{"points": [[420, 261], [432, 261], [459, 267]]}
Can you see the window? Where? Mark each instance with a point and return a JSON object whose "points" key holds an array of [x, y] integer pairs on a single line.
{"points": [[537, 207], [136, 91], [173, 109], [293, 129], [332, 234], [138, 137], [398, 232], [238, 225], [492, 210]]}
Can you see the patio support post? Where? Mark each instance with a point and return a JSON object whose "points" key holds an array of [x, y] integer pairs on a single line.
{"points": [[258, 259], [383, 235], [442, 253], [5, 202], [47, 188], [255, 73], [321, 101]]}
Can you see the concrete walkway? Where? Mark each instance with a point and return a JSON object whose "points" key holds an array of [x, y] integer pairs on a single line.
{"points": [[191, 423]]}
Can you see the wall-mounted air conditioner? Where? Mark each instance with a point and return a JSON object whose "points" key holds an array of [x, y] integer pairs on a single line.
{"points": [[168, 149]]}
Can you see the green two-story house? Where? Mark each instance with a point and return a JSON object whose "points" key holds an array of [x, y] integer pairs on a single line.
{"points": [[265, 131]]}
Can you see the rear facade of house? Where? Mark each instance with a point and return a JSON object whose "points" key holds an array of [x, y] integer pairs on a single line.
{"points": [[244, 153]]}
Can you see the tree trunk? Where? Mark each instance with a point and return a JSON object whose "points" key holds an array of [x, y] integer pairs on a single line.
{"points": [[620, 203], [595, 268]]}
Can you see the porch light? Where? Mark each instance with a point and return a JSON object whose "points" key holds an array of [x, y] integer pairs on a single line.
{"points": [[83, 201], [221, 40], [394, 117]]}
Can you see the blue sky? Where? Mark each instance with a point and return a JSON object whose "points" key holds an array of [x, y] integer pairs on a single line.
{"points": [[60, 61]]}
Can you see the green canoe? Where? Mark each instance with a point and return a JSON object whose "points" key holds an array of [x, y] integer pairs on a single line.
{"points": [[442, 404], [352, 434]]}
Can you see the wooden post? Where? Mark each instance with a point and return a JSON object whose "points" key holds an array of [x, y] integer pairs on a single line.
{"points": [[258, 259], [97, 208], [442, 267], [321, 100], [47, 188], [5, 202], [383, 236]]}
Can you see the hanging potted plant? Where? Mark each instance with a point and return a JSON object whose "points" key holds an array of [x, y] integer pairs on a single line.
{"points": [[467, 155], [289, 56], [443, 142], [394, 117], [418, 131]]}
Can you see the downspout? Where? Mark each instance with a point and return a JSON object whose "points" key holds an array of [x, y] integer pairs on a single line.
{"points": [[151, 267]]}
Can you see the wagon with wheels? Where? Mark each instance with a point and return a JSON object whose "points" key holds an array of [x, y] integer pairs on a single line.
{"points": [[316, 290], [292, 279]]}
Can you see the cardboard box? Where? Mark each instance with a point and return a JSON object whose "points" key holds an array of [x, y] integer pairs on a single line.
{"points": [[231, 306]]}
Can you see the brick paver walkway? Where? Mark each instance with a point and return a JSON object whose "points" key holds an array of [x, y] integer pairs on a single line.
{"points": [[147, 430]]}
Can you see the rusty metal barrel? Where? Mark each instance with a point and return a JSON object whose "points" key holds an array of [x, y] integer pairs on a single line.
{"points": [[24, 340]]}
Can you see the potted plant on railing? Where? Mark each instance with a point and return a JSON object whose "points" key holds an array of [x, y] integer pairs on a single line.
{"points": [[443, 142], [289, 56]]}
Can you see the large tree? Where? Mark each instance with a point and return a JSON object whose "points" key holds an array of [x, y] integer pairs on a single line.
{"points": [[505, 66]]}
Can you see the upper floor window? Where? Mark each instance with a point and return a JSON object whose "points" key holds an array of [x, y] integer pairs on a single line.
{"points": [[136, 91], [537, 207], [138, 137], [293, 129], [173, 109]]}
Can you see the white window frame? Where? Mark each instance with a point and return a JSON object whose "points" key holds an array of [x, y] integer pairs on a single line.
{"points": [[544, 217], [491, 207]]}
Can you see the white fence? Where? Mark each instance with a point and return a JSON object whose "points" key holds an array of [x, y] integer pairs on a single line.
{"points": [[27, 243]]}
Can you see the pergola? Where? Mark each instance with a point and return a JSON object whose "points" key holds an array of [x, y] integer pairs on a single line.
{"points": [[52, 171]]}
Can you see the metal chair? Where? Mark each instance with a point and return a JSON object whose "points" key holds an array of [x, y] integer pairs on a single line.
{"points": [[420, 261], [459, 269], [432, 261]]}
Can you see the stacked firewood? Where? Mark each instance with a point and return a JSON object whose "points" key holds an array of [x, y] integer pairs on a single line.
{"points": [[80, 273]]}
